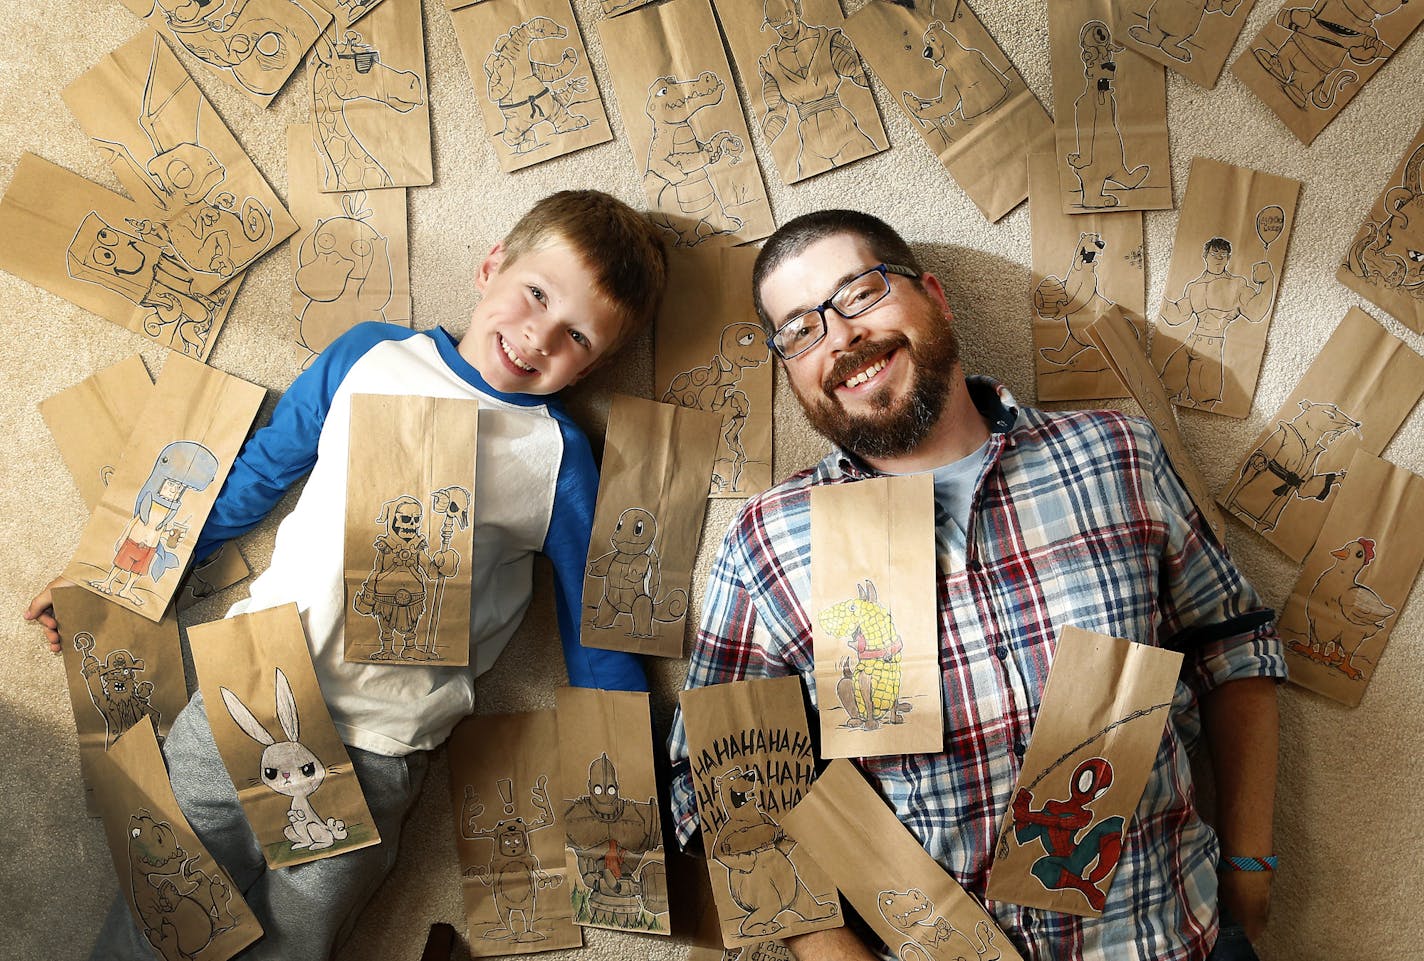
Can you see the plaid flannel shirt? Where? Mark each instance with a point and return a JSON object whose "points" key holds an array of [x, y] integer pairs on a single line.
{"points": [[1078, 518]]}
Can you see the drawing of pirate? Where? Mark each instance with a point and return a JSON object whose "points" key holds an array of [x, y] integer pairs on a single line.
{"points": [[394, 592], [146, 545], [114, 687]]}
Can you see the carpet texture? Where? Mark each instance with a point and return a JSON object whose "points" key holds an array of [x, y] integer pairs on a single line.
{"points": [[1350, 780]]}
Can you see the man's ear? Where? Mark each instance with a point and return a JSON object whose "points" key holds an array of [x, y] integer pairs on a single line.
{"points": [[490, 266], [936, 294]]}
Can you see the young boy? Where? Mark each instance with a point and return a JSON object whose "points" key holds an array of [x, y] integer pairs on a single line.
{"points": [[575, 278]]}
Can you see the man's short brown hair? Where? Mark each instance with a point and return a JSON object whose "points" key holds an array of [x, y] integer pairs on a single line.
{"points": [[794, 236], [619, 245]]}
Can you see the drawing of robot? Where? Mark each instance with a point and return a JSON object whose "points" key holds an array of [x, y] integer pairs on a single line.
{"points": [[1101, 157], [617, 844], [804, 71], [676, 174], [522, 87], [513, 873], [969, 85], [714, 387], [1282, 469]]}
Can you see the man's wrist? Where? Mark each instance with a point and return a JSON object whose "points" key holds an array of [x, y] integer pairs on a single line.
{"points": [[1253, 865]]}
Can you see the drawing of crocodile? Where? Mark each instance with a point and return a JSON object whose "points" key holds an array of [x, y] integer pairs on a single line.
{"points": [[678, 162]]}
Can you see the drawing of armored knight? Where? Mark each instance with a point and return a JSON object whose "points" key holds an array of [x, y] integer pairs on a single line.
{"points": [[394, 593]]}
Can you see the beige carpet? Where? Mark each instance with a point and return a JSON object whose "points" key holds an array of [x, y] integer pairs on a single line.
{"points": [[1349, 834]]}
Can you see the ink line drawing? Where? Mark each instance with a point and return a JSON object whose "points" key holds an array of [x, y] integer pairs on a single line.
{"points": [[145, 548], [344, 271], [617, 844], [115, 688], [869, 688], [714, 387], [909, 913], [1282, 469], [513, 873], [1101, 157], [1341, 613], [349, 71], [632, 578], [257, 43], [182, 904], [289, 768], [1171, 24], [969, 84], [521, 87], [1075, 300], [677, 171], [804, 71], [1195, 371], [1080, 849], [194, 221], [146, 276], [762, 879], [1270, 223], [1309, 65], [1390, 252], [394, 592]]}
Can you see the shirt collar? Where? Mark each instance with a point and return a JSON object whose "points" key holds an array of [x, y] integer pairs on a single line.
{"points": [[993, 401], [450, 353]]}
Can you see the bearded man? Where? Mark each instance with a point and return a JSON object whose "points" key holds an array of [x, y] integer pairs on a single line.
{"points": [[1042, 520]]}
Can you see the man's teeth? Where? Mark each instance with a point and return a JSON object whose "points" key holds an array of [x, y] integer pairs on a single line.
{"points": [[868, 373], [513, 357]]}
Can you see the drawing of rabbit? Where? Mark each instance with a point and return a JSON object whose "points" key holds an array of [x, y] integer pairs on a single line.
{"points": [[290, 768]]}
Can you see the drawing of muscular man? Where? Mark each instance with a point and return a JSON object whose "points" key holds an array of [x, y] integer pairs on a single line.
{"points": [[804, 70], [1195, 371]]}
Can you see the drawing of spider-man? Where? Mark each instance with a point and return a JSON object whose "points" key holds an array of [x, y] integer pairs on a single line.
{"points": [[1067, 832]]}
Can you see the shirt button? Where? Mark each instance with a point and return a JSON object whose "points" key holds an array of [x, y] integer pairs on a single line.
{"points": [[1002, 652], [1019, 749], [975, 566]]}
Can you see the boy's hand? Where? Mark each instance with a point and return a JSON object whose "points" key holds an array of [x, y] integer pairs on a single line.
{"points": [[42, 609]]}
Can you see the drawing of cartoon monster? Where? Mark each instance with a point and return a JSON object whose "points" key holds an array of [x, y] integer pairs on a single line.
{"points": [[1101, 157], [969, 85], [909, 913], [1282, 468], [115, 688], [678, 160], [148, 277], [869, 689], [762, 878], [522, 87], [714, 387], [513, 873], [1171, 23], [632, 578], [1310, 63], [1391, 252], [348, 71], [181, 907], [394, 593], [146, 545], [344, 271], [1079, 851], [1341, 613], [1075, 300], [258, 43]]}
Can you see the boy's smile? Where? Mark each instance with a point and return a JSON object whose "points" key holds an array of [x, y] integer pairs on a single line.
{"points": [[541, 323]]}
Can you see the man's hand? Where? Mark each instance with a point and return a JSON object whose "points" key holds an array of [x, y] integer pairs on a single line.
{"points": [[1245, 896], [41, 609], [833, 944]]}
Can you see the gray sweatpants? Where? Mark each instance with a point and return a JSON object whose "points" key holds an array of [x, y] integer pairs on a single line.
{"points": [[307, 910]]}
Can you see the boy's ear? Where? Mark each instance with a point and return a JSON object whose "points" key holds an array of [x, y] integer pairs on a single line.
{"points": [[490, 266]]}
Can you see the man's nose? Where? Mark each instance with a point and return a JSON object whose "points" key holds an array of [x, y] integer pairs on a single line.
{"points": [[843, 332]]}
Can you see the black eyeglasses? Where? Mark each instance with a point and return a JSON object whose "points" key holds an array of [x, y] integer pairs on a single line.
{"points": [[851, 299]]}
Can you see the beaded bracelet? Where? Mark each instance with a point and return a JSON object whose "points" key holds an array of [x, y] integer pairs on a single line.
{"points": [[1237, 863]]}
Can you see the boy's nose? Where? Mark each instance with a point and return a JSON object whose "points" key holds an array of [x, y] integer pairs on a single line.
{"points": [[538, 336]]}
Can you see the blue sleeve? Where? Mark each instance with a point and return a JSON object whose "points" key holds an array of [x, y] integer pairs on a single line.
{"points": [[566, 545], [283, 452]]}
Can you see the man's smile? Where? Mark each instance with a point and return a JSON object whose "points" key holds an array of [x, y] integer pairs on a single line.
{"points": [[861, 370]]}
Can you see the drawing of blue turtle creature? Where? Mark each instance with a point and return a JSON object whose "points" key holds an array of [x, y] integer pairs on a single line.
{"points": [[147, 543]]}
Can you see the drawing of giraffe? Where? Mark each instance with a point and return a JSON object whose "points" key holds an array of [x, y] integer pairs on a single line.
{"points": [[348, 70]]}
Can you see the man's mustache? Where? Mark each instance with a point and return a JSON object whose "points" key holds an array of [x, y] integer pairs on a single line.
{"points": [[851, 361]]}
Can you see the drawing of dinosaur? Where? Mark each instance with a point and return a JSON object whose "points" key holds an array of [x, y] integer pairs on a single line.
{"points": [[678, 160], [714, 387], [520, 86]]}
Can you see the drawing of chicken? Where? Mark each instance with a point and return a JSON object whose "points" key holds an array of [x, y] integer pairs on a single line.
{"points": [[1341, 613]]}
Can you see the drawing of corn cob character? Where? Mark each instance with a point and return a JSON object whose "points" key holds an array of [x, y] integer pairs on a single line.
{"points": [[869, 689]]}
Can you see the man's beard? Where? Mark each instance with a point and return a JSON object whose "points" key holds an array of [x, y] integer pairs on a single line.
{"points": [[892, 428]]}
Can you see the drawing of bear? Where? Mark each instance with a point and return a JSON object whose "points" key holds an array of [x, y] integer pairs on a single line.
{"points": [[1282, 469], [1101, 157], [910, 912], [756, 853], [1074, 299], [969, 85]]}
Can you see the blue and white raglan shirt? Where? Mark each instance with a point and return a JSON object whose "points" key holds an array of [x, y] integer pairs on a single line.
{"points": [[535, 488]]}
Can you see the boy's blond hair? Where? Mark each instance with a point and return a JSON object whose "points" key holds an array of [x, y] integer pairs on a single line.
{"points": [[619, 245]]}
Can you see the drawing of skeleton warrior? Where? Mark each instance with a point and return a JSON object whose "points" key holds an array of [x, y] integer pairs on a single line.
{"points": [[394, 592]]}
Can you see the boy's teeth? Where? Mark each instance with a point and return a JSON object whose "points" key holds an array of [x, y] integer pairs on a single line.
{"points": [[514, 358], [866, 374]]}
